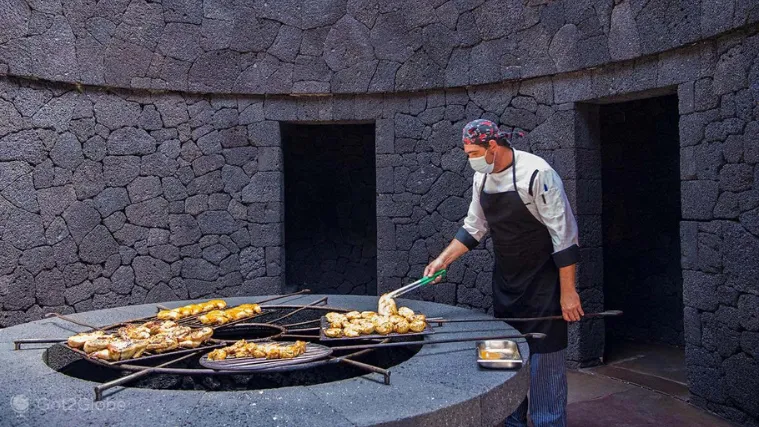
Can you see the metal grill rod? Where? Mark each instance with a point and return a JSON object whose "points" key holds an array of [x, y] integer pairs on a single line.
{"points": [[99, 389], [607, 313], [305, 307], [451, 340]]}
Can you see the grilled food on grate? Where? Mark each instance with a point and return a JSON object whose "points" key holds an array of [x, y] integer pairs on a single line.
{"points": [[121, 349], [78, 340], [191, 310], [386, 306], [222, 317], [131, 340], [242, 348], [355, 324]]}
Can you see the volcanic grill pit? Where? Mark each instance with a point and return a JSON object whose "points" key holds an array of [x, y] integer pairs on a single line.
{"points": [[69, 363], [432, 384]]}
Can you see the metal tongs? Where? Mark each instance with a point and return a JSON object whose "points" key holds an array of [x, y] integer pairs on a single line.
{"points": [[415, 285]]}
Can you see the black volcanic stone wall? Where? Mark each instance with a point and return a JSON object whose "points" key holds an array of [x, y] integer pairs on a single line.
{"points": [[641, 220], [330, 208], [115, 198], [342, 46]]}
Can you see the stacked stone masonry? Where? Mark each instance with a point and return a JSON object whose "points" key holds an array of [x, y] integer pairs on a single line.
{"points": [[112, 194], [342, 46]]}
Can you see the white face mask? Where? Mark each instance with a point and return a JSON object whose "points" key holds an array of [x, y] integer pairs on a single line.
{"points": [[479, 164]]}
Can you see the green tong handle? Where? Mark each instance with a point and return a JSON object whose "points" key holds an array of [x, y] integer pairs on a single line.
{"points": [[430, 279], [418, 284]]}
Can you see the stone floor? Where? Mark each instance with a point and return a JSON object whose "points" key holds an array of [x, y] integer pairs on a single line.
{"points": [[642, 385]]}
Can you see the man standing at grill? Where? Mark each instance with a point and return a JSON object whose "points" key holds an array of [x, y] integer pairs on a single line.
{"points": [[520, 200]]}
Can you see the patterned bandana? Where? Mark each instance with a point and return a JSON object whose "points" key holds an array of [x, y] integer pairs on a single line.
{"points": [[481, 131]]}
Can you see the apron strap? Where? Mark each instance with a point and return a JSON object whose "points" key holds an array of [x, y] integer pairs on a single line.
{"points": [[514, 168]]}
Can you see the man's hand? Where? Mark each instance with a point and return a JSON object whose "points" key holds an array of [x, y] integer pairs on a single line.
{"points": [[433, 267], [571, 308]]}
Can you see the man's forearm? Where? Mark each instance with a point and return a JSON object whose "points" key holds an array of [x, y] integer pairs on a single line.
{"points": [[567, 276], [454, 250]]}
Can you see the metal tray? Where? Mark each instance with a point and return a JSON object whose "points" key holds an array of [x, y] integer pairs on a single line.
{"points": [[325, 324], [250, 364], [505, 352]]}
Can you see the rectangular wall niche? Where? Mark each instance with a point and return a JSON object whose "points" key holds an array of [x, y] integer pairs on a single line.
{"points": [[330, 208], [640, 157]]}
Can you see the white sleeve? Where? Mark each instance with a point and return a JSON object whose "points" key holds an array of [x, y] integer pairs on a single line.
{"points": [[475, 225], [556, 213]]}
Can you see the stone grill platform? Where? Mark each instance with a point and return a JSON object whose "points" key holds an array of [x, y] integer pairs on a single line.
{"points": [[440, 385]]}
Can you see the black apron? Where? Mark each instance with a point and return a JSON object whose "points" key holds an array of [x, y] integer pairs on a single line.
{"points": [[525, 278]]}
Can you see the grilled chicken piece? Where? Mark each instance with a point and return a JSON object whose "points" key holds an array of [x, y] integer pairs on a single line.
{"points": [[301, 345], [195, 338], [383, 327], [333, 332], [191, 310], [168, 315], [338, 324], [287, 352], [258, 352], [121, 350], [386, 306], [178, 332], [218, 303], [368, 314], [254, 307], [395, 319], [98, 343], [241, 349], [335, 317], [128, 349], [78, 340], [218, 354], [188, 343], [353, 315], [215, 317], [417, 325], [221, 317], [406, 312], [202, 335], [273, 351], [161, 343], [402, 327], [134, 332], [366, 327], [351, 331]]}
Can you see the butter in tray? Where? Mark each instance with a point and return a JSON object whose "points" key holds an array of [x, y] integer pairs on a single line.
{"points": [[499, 354]]}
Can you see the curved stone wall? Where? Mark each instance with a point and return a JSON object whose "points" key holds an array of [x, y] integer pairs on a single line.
{"points": [[342, 46]]}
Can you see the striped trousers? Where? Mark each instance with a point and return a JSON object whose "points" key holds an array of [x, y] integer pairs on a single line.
{"points": [[548, 393]]}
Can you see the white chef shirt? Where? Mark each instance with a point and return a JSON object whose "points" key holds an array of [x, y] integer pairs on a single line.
{"points": [[542, 192]]}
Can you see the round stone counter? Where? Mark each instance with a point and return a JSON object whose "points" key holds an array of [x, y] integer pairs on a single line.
{"points": [[440, 385]]}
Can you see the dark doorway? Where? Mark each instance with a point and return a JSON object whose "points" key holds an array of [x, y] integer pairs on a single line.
{"points": [[640, 155], [330, 208]]}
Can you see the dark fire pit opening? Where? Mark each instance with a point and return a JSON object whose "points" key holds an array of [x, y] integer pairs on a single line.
{"points": [[330, 215], [641, 217]]}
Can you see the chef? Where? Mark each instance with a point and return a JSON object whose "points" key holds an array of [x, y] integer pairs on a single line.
{"points": [[520, 200]]}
